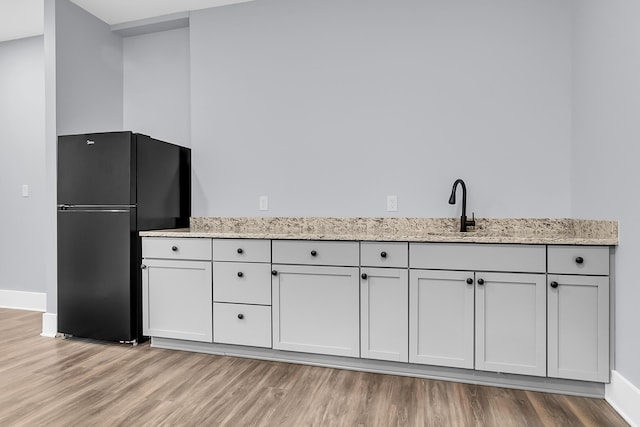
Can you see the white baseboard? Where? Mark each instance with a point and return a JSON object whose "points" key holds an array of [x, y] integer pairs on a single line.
{"points": [[49, 325], [20, 300], [624, 397]]}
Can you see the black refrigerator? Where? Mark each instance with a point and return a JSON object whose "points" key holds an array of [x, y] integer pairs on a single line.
{"points": [[111, 186]]}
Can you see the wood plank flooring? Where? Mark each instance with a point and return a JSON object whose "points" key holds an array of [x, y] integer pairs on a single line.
{"points": [[56, 382]]}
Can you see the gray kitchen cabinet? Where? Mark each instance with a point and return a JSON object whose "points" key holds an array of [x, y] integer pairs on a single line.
{"points": [[384, 317], [466, 311], [177, 288], [242, 292], [315, 308], [176, 299], [441, 313], [578, 310], [384, 296], [510, 323]]}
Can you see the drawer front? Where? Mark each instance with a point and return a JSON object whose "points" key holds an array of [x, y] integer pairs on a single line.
{"points": [[478, 257], [242, 324], [245, 283], [313, 252], [588, 260], [176, 248], [242, 250], [384, 254]]}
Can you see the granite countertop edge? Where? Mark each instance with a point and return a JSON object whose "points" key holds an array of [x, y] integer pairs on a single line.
{"points": [[506, 231]]}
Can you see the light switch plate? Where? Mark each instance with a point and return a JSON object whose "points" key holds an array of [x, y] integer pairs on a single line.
{"points": [[25, 190]]}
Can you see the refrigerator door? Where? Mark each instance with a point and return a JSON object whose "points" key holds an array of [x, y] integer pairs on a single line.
{"points": [[97, 169], [97, 273]]}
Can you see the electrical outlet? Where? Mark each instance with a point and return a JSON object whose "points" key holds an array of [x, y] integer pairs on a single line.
{"points": [[264, 203], [392, 203], [25, 190]]}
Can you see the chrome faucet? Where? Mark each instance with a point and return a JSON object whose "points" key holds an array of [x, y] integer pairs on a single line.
{"points": [[464, 222]]}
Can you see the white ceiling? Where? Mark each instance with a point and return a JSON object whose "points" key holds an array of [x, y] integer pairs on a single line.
{"points": [[24, 18], [21, 18]]}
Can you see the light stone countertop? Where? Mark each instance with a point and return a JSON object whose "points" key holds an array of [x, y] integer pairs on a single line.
{"points": [[551, 231]]}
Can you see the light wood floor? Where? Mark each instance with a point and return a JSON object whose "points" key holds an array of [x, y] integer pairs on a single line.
{"points": [[56, 382]]}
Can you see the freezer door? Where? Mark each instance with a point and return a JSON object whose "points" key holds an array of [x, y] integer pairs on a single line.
{"points": [[97, 274], [96, 169]]}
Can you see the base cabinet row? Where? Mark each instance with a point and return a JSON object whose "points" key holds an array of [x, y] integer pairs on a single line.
{"points": [[538, 324]]}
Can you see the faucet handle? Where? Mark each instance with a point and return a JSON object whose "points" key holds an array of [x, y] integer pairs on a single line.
{"points": [[472, 221]]}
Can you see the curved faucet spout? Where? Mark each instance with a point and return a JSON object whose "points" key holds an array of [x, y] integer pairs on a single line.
{"points": [[464, 223], [452, 198]]}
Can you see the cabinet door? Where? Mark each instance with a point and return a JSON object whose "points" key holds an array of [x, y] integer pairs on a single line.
{"points": [[579, 327], [177, 300], [315, 309], [511, 323], [441, 318], [384, 314]]}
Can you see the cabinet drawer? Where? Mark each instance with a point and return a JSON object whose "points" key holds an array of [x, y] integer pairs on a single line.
{"points": [[239, 282], [314, 252], [243, 250], [384, 254], [176, 248], [478, 257], [242, 324], [593, 260]]}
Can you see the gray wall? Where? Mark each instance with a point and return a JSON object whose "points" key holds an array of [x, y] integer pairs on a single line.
{"points": [[606, 151], [329, 106], [22, 260], [89, 77], [156, 85]]}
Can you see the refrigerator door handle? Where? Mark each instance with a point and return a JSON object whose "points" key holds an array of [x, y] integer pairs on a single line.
{"points": [[99, 210], [66, 207]]}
